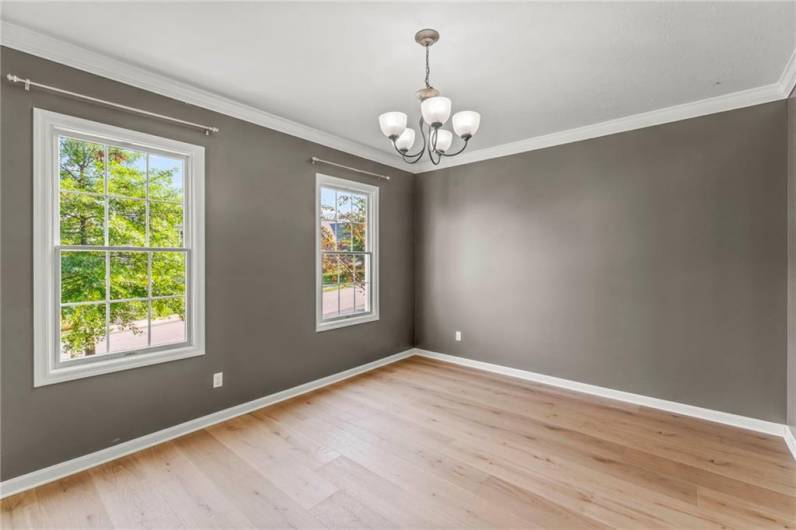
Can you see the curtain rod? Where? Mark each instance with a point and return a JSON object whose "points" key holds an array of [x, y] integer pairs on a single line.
{"points": [[28, 83], [316, 160]]}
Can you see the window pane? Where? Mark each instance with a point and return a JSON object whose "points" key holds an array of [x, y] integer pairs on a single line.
{"points": [[343, 236], [343, 206], [359, 208], [166, 178], [126, 222], [328, 210], [358, 234], [128, 275], [329, 270], [168, 321], [81, 165], [330, 301], [346, 268], [82, 218], [82, 331], [126, 172], [168, 273], [361, 297], [359, 268], [328, 241], [82, 276], [165, 224], [346, 284], [346, 298], [128, 330]]}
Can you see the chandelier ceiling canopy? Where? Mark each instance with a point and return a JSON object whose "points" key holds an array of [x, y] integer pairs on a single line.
{"points": [[435, 111]]}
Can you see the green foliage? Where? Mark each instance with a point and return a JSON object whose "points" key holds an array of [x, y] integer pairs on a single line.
{"points": [[83, 204]]}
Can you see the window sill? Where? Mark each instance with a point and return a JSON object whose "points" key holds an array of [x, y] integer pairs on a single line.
{"points": [[345, 322], [70, 373]]}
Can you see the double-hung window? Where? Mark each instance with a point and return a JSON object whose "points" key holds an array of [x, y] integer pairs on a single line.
{"points": [[347, 287], [118, 248]]}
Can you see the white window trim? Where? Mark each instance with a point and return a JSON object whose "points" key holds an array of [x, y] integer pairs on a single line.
{"points": [[373, 246], [46, 128]]}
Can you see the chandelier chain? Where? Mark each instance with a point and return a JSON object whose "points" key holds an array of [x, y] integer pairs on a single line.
{"points": [[428, 69]]}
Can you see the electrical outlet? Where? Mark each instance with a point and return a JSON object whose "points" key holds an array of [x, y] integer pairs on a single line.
{"points": [[459, 336], [218, 379]]}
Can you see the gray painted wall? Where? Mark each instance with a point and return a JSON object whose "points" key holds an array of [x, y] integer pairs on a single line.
{"points": [[792, 261], [260, 278], [653, 261]]}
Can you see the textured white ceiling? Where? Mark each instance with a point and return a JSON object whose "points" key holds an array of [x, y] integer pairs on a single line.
{"points": [[528, 68]]}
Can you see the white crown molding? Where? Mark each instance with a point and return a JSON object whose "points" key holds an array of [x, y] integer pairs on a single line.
{"points": [[81, 463], [35, 43], [41, 45], [734, 420], [734, 100], [787, 81]]}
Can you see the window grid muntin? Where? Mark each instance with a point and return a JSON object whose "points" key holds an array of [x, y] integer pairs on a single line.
{"points": [[367, 253], [107, 248]]}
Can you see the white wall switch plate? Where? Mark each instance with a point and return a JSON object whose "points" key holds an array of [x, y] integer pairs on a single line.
{"points": [[459, 335], [218, 379]]}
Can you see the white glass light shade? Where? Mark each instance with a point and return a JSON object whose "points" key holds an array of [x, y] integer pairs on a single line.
{"points": [[436, 110], [466, 123], [392, 123], [406, 140], [444, 140]]}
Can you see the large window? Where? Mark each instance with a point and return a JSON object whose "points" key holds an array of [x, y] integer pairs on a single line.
{"points": [[119, 255], [347, 252]]}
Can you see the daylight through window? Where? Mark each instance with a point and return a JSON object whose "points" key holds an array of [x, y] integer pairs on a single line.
{"points": [[347, 252], [122, 259], [118, 248]]}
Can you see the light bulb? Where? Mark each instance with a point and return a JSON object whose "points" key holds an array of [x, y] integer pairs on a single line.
{"points": [[436, 110], [466, 123], [392, 124], [406, 140], [444, 140]]}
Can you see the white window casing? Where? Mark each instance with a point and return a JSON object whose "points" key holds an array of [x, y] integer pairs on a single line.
{"points": [[371, 251], [47, 128]]}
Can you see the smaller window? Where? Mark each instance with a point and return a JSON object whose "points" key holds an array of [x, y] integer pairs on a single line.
{"points": [[347, 288]]}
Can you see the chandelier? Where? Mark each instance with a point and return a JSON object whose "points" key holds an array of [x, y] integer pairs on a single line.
{"points": [[435, 111]]}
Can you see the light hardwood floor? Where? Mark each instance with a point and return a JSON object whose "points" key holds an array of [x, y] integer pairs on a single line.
{"points": [[424, 444]]}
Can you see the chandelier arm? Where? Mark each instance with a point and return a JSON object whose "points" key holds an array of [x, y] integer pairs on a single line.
{"points": [[411, 159], [419, 154], [460, 151], [432, 149], [407, 156]]}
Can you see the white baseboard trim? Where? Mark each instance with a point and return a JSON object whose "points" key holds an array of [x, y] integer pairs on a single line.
{"points": [[752, 424], [81, 463], [790, 441]]}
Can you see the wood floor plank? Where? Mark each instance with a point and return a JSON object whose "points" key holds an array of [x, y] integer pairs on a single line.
{"points": [[265, 505], [780, 475], [251, 440], [342, 510], [25, 510], [425, 444], [196, 498], [131, 500]]}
